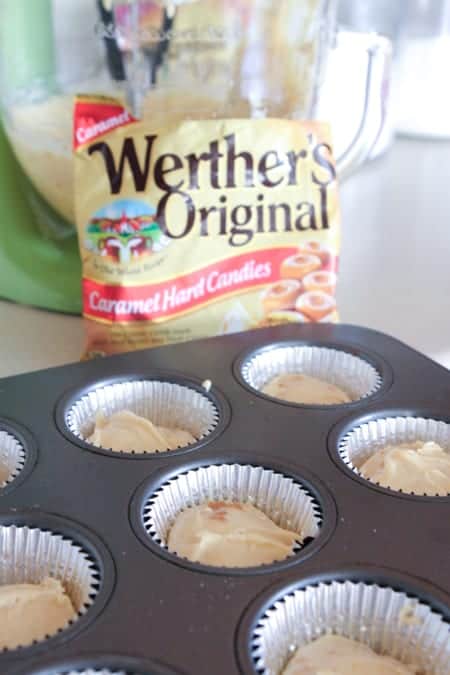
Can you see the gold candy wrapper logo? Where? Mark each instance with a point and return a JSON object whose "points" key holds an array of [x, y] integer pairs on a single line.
{"points": [[179, 177]]}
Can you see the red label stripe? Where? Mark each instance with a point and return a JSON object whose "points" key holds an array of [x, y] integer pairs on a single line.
{"points": [[153, 302]]}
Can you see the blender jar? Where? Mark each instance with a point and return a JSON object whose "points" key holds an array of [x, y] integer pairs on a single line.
{"points": [[183, 59]]}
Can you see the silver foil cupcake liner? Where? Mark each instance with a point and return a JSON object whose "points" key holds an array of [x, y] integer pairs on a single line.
{"points": [[388, 621], [364, 441], [163, 403], [89, 671], [12, 458], [94, 672], [356, 377], [284, 501], [30, 555]]}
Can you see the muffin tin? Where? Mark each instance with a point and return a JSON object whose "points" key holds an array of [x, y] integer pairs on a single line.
{"points": [[153, 613]]}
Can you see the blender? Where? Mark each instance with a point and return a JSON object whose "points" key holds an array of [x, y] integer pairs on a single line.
{"points": [[186, 59]]}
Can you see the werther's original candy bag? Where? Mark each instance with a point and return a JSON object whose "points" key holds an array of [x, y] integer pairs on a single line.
{"points": [[190, 228]]}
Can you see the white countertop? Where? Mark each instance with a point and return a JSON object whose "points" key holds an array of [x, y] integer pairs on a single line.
{"points": [[395, 265]]}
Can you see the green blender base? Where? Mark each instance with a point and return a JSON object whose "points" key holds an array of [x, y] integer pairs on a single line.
{"points": [[34, 269]]}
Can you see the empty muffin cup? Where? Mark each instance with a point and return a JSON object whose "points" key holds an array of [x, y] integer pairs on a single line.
{"points": [[12, 458], [165, 404], [64, 572], [365, 441], [353, 375], [388, 621], [284, 501]]}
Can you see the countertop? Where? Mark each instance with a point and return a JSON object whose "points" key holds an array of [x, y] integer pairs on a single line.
{"points": [[395, 265]]}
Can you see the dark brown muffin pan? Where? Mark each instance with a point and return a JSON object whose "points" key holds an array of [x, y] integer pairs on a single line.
{"points": [[156, 614]]}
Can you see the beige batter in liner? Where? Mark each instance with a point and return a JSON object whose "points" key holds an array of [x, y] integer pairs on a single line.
{"points": [[4, 473], [30, 612], [418, 467], [301, 388], [336, 655], [124, 431], [229, 534]]}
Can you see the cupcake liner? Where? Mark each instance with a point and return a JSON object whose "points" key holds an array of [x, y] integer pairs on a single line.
{"points": [[390, 622], [89, 671], [285, 502], [29, 555], [146, 670], [104, 665], [12, 458], [114, 666], [356, 377], [363, 441], [163, 403]]}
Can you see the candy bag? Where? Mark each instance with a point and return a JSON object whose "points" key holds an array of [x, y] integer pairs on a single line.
{"points": [[193, 228]]}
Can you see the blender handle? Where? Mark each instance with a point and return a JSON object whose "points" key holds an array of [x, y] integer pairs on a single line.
{"points": [[374, 114]]}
